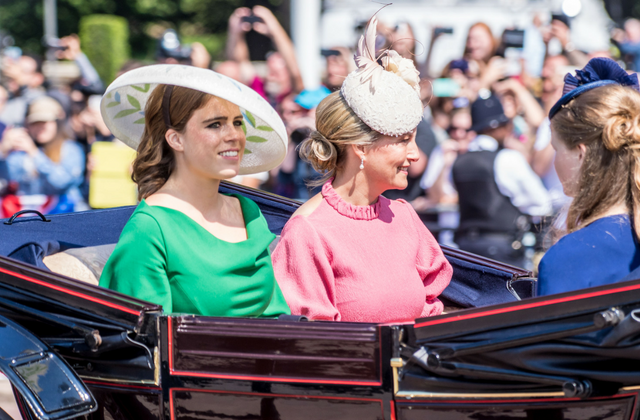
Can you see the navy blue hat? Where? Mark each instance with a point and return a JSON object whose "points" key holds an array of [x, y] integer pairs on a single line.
{"points": [[487, 113], [598, 72]]}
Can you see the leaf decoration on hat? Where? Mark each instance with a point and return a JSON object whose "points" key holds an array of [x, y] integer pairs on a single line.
{"points": [[264, 128], [599, 69], [365, 57], [249, 117], [247, 152], [256, 139], [139, 121], [124, 113], [134, 102], [143, 89], [244, 128]]}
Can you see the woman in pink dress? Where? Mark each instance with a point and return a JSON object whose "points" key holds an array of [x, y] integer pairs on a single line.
{"points": [[350, 254]]}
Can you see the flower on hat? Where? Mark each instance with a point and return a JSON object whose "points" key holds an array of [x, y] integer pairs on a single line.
{"points": [[599, 69], [403, 67]]}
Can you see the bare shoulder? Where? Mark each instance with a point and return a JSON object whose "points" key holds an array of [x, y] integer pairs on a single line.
{"points": [[309, 206]]}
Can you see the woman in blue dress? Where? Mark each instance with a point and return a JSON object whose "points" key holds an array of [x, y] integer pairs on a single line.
{"points": [[595, 130]]}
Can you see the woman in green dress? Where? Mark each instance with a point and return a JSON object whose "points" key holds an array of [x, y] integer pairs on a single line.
{"points": [[187, 247]]}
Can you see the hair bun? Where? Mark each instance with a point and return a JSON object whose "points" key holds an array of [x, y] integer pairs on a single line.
{"points": [[319, 152], [621, 130]]}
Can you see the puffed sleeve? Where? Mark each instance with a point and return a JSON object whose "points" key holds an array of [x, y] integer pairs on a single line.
{"points": [[432, 265], [138, 265], [304, 273]]}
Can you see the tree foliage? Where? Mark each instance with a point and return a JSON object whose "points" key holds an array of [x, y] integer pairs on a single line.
{"points": [[194, 19]]}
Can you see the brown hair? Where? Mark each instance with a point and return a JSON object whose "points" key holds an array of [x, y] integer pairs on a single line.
{"points": [[337, 128], [155, 160], [607, 121]]}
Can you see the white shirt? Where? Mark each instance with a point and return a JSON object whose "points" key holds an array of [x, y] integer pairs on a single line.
{"points": [[515, 178], [435, 165]]}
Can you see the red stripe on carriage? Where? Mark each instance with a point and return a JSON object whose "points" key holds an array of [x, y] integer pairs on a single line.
{"points": [[528, 306], [71, 292]]}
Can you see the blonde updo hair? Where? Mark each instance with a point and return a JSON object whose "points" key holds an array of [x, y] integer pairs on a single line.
{"points": [[337, 127], [607, 121]]}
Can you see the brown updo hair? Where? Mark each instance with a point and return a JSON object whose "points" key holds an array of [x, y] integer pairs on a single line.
{"points": [[155, 160], [337, 127], [607, 121]]}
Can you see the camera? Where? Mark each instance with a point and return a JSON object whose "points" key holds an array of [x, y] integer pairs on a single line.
{"points": [[169, 46], [251, 19]]}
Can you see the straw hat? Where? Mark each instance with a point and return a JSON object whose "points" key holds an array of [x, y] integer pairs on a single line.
{"points": [[124, 102]]}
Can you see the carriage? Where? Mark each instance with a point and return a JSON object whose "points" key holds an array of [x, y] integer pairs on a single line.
{"points": [[73, 349]]}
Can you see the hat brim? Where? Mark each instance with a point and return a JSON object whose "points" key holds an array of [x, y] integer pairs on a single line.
{"points": [[568, 97], [124, 102], [494, 122]]}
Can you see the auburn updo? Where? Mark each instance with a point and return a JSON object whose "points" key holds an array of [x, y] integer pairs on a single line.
{"points": [[337, 127], [607, 121]]}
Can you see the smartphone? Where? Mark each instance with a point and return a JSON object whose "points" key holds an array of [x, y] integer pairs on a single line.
{"points": [[252, 19], [445, 88], [329, 53], [437, 31], [513, 38]]}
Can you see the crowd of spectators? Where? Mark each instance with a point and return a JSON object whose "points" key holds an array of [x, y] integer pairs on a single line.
{"points": [[487, 100]]}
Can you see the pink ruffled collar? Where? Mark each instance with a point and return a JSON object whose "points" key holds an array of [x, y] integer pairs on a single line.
{"points": [[352, 211]]}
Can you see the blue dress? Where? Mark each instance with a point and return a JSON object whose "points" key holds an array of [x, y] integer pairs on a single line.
{"points": [[602, 253]]}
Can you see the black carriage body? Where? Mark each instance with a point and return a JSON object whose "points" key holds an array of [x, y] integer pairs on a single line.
{"points": [[569, 356]]}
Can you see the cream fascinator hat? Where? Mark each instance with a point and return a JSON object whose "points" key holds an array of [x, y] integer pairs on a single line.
{"points": [[124, 102], [386, 97]]}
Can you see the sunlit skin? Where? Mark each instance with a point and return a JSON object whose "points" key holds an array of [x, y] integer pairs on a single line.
{"points": [[568, 163], [43, 132], [209, 149], [386, 167], [387, 161]]}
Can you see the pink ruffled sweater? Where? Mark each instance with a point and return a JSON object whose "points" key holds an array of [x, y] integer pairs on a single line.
{"points": [[375, 263]]}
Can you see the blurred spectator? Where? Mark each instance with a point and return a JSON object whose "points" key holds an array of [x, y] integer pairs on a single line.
{"points": [[496, 187], [89, 82], [46, 166], [23, 79], [340, 63], [480, 45], [559, 29], [230, 69], [299, 115], [628, 41], [283, 75], [171, 51]]}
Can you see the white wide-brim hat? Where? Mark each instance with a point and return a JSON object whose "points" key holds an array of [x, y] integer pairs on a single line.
{"points": [[124, 102]]}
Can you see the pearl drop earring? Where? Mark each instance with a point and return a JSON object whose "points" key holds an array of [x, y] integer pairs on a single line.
{"points": [[362, 163]]}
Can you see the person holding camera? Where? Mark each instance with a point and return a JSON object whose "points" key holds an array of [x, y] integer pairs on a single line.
{"points": [[45, 164], [24, 80], [283, 74]]}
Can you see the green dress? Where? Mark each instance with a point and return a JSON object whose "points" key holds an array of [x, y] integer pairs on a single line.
{"points": [[165, 257]]}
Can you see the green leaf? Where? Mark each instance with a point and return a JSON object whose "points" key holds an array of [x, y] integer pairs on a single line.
{"points": [[134, 102], [256, 139], [247, 151], [125, 112], [140, 121], [109, 95], [244, 128], [142, 89], [112, 104], [264, 128], [251, 118]]}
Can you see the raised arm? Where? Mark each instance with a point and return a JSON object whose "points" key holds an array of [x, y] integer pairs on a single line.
{"points": [[237, 49], [272, 28]]}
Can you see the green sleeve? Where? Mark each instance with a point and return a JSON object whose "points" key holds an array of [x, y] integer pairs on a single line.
{"points": [[138, 265]]}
